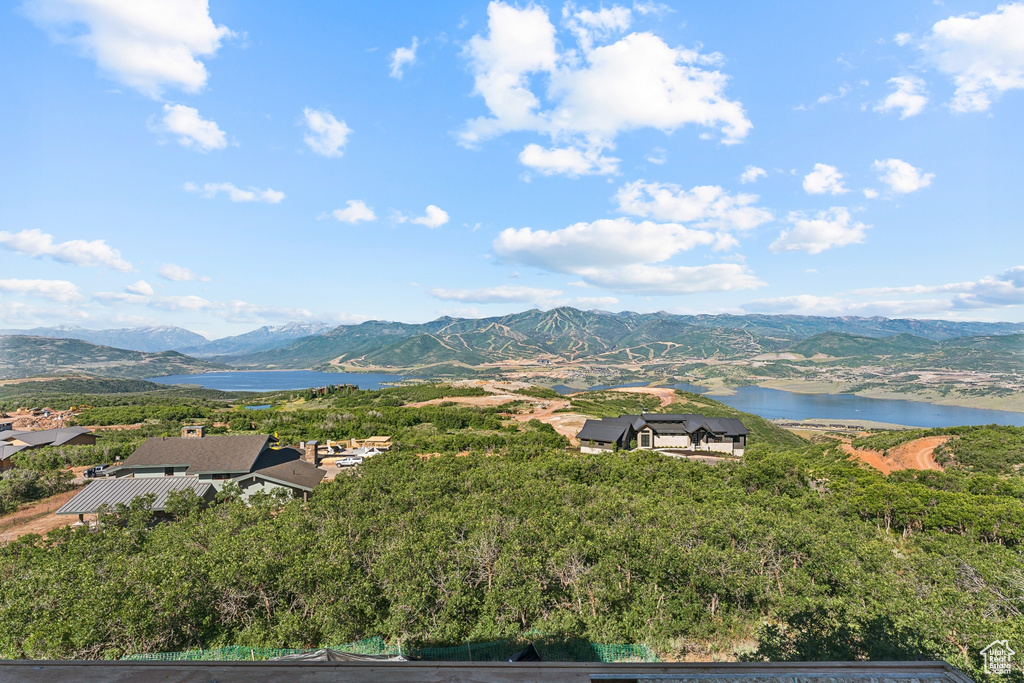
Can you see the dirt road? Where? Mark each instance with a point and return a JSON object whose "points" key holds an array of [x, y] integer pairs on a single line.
{"points": [[918, 454], [37, 518]]}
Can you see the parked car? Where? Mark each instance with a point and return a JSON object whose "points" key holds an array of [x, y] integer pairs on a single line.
{"points": [[350, 461], [97, 471]]}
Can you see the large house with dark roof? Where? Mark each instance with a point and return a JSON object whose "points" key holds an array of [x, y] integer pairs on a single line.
{"points": [[204, 464], [651, 431]]}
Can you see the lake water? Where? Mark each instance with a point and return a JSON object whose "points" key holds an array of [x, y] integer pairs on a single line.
{"points": [[788, 405], [277, 380]]}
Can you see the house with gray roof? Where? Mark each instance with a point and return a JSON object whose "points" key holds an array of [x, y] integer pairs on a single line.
{"points": [[14, 441], [651, 431], [205, 464]]}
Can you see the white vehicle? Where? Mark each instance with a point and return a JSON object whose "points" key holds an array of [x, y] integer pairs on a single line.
{"points": [[350, 461]]}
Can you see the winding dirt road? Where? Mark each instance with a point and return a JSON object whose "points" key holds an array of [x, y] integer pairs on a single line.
{"points": [[667, 396], [918, 454]]}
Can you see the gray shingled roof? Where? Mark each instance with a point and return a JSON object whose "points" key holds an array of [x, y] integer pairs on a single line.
{"points": [[45, 437], [113, 491], [611, 429], [209, 454], [285, 466]]}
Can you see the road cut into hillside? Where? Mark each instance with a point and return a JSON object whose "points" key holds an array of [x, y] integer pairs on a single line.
{"points": [[37, 518], [918, 454]]}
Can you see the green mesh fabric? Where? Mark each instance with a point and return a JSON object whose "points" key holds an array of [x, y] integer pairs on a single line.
{"points": [[550, 648]]}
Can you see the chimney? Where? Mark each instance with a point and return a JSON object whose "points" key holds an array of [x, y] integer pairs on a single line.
{"points": [[309, 453], [193, 432]]}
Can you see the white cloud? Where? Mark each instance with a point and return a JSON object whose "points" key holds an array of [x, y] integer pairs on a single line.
{"points": [[253, 194], [594, 93], [147, 45], [657, 156], [570, 161], [37, 243], [909, 96], [604, 242], [843, 91], [234, 310], [658, 9], [827, 229], [434, 217], [403, 57], [169, 271], [592, 302], [618, 254], [708, 206], [492, 295], [751, 174], [193, 130], [60, 291], [824, 179], [667, 280], [902, 39], [900, 176], [325, 134], [991, 292], [870, 193], [141, 288], [355, 210], [983, 54]]}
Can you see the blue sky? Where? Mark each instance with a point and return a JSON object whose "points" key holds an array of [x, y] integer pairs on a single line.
{"points": [[230, 165]]}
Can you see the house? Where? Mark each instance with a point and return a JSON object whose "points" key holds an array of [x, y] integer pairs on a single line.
{"points": [[204, 464], [14, 441], [252, 461], [652, 431]]}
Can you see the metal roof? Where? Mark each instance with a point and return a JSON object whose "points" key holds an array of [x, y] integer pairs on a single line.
{"points": [[113, 491]]}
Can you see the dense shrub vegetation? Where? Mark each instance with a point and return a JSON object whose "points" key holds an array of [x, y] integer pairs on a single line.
{"points": [[20, 486], [796, 553]]}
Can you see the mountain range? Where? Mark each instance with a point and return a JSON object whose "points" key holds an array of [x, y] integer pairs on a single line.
{"points": [[172, 338], [574, 335]]}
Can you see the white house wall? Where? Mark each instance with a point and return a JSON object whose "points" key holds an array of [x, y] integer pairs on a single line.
{"points": [[672, 441]]}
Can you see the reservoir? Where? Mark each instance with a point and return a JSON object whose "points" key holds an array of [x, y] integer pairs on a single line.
{"points": [[788, 405], [278, 380]]}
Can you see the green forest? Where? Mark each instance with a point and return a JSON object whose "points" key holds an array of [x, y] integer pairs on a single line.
{"points": [[794, 553]]}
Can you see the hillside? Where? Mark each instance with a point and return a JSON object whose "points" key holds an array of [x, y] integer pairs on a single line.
{"points": [[841, 344], [22, 357], [262, 339]]}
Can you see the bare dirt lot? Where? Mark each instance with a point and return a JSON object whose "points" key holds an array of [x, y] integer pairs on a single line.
{"points": [[38, 518], [918, 454]]}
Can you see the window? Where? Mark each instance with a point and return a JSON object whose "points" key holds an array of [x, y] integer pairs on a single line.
{"points": [[645, 440], [168, 471], [219, 477]]}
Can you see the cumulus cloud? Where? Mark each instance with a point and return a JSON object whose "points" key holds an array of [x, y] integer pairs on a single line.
{"points": [[434, 217], [325, 135], [827, 229], [147, 45], [169, 271], [253, 194], [593, 93], [60, 291], [493, 295], [591, 302], [751, 174], [902, 39], [570, 161], [38, 244], [984, 54], [618, 254], [193, 130], [902, 177], [824, 179], [355, 210], [141, 288], [909, 96], [707, 206], [403, 57]]}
